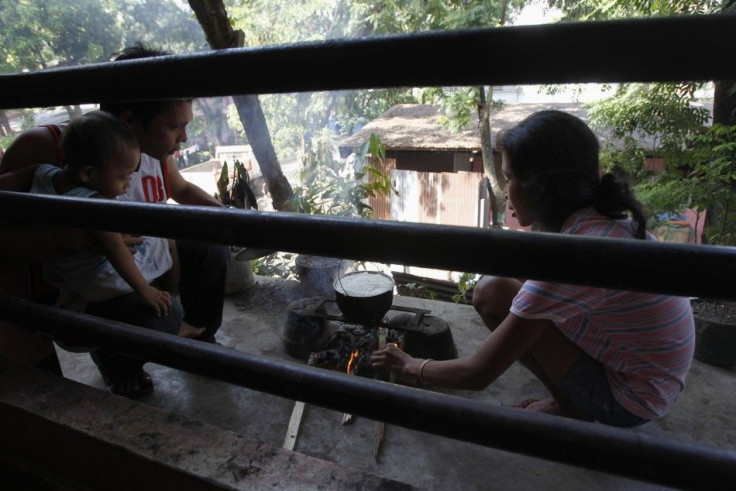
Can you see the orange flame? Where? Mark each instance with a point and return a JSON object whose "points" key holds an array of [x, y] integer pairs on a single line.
{"points": [[353, 357]]}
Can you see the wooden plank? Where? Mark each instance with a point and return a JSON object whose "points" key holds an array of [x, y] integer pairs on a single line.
{"points": [[380, 426], [293, 431]]}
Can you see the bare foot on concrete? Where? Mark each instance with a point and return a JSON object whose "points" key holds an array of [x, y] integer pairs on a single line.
{"points": [[189, 331], [552, 406]]}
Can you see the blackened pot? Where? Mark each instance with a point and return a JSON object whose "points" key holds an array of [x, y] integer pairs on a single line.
{"points": [[364, 297], [305, 332]]}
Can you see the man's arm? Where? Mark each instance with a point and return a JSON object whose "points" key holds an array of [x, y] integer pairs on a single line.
{"points": [[186, 193], [33, 146]]}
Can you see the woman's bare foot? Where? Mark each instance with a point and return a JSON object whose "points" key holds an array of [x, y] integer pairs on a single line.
{"points": [[552, 406], [189, 331]]}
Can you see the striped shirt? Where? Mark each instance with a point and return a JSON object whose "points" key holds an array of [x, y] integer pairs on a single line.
{"points": [[644, 341]]}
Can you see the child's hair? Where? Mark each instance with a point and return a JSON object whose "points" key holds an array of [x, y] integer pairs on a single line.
{"points": [[92, 138], [554, 155], [143, 110]]}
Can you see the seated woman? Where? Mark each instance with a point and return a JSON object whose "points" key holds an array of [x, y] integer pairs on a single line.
{"points": [[617, 357]]}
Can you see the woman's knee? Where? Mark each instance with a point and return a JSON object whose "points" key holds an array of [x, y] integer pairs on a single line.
{"points": [[493, 295]]}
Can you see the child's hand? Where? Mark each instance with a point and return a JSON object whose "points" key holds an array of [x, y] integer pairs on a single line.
{"points": [[159, 301]]}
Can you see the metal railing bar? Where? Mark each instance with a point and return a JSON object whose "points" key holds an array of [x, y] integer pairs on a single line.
{"points": [[594, 446], [680, 269], [607, 51]]}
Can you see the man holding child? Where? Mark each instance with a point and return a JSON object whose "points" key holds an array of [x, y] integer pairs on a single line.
{"points": [[160, 128]]}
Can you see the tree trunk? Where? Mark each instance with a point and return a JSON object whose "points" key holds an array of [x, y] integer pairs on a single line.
{"points": [[724, 104], [212, 16], [73, 111], [5, 129], [256, 130], [498, 203]]}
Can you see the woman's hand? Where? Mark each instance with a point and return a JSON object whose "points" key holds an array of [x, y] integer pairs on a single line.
{"points": [[392, 359], [158, 300]]}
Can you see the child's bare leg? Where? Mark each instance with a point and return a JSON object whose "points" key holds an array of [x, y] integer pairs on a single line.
{"points": [[169, 281], [189, 331]]}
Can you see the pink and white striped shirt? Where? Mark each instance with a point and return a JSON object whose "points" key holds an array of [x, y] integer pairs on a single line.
{"points": [[644, 341]]}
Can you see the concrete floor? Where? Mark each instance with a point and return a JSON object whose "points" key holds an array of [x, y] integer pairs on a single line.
{"points": [[704, 414]]}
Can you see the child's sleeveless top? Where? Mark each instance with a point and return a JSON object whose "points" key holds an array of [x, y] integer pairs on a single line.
{"points": [[90, 274]]}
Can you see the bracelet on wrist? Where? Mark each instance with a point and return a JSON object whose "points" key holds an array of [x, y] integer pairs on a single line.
{"points": [[421, 371]]}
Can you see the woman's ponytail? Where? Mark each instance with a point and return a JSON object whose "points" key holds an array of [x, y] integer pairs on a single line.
{"points": [[613, 198]]}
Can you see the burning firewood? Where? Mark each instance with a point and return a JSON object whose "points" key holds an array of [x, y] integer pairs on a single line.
{"points": [[347, 418], [349, 350]]}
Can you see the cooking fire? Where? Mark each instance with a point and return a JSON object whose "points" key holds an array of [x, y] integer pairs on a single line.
{"points": [[351, 346]]}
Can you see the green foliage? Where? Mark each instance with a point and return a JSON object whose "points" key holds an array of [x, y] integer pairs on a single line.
{"points": [[280, 265], [293, 117], [587, 10], [165, 24], [644, 120], [417, 290], [705, 179], [392, 17], [5, 141], [465, 285], [333, 186], [698, 173], [712, 157], [665, 195], [239, 194], [459, 107], [37, 35], [43, 34]]}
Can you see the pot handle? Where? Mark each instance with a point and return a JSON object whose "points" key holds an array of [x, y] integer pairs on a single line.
{"points": [[339, 276], [339, 268]]}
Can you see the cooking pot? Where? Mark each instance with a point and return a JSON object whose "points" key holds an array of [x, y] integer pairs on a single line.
{"points": [[316, 274], [305, 330], [364, 296]]}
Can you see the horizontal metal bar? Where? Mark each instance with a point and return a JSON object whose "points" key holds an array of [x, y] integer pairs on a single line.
{"points": [[610, 51], [689, 270], [558, 439]]}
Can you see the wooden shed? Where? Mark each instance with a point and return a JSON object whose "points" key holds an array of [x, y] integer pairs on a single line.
{"points": [[439, 172], [416, 138]]}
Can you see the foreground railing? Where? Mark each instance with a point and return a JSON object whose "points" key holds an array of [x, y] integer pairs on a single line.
{"points": [[695, 270], [687, 48], [588, 445], [690, 48]]}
